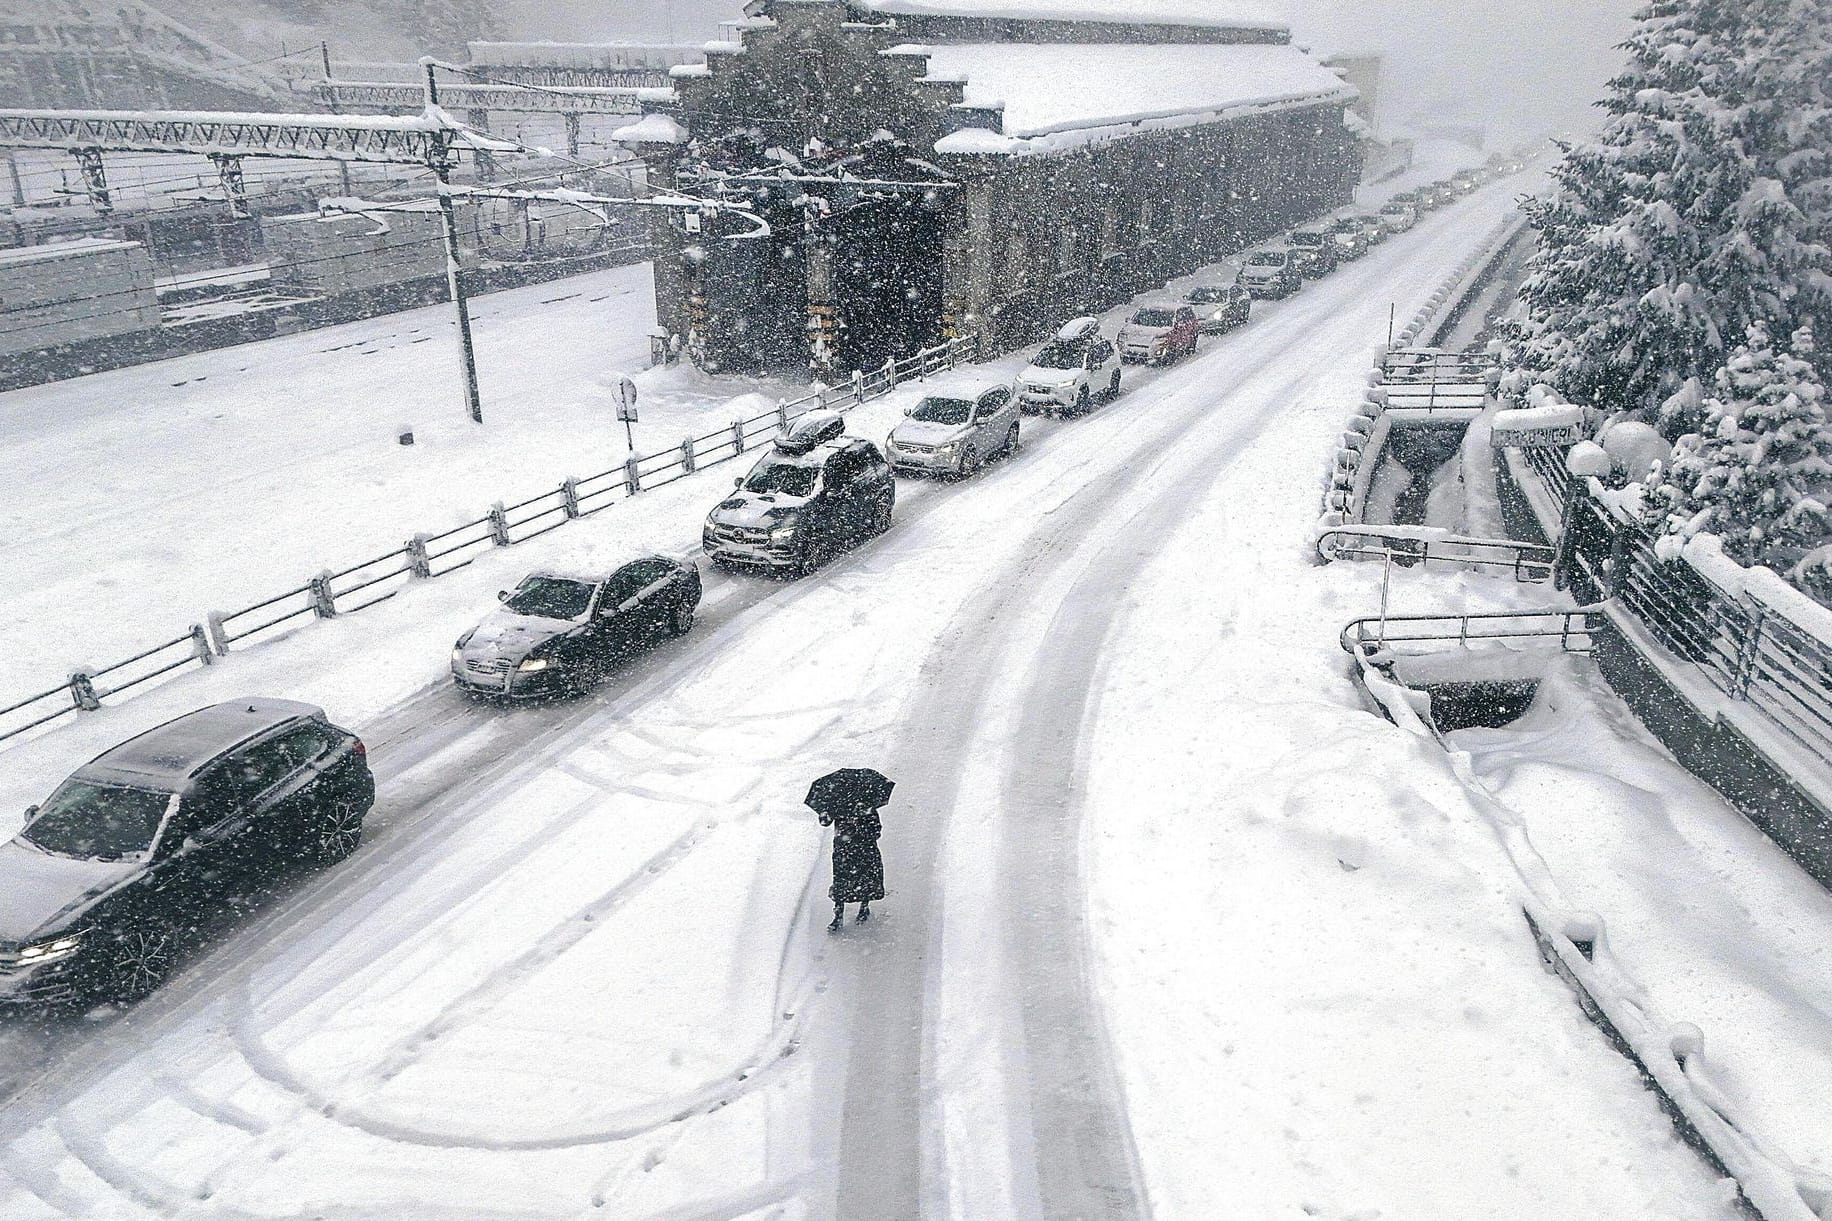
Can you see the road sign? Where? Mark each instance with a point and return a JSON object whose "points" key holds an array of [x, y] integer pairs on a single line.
{"points": [[626, 401]]}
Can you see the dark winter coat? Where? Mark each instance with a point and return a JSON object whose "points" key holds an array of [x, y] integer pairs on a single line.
{"points": [[858, 868]]}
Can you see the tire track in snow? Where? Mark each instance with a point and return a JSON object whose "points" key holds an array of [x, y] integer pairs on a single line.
{"points": [[1084, 1162]]}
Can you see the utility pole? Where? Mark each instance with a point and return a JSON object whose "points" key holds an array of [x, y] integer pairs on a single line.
{"points": [[448, 216], [343, 167]]}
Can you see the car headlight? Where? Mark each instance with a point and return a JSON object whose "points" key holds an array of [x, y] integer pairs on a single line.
{"points": [[948, 450], [50, 951], [533, 665]]}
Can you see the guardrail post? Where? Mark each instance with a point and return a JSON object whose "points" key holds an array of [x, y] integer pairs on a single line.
{"points": [[687, 455], [82, 691], [200, 645], [782, 413], [416, 556], [569, 492], [324, 603], [737, 437], [890, 374], [499, 525], [632, 478], [219, 635], [858, 386], [1746, 655]]}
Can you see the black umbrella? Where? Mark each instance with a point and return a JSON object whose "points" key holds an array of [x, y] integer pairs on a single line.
{"points": [[850, 788]]}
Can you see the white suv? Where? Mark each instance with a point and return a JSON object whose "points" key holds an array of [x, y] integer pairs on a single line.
{"points": [[1071, 372], [949, 434]]}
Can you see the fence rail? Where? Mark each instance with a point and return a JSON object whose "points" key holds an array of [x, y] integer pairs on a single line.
{"points": [[1746, 649], [1529, 562], [1435, 379], [1378, 636], [424, 556]]}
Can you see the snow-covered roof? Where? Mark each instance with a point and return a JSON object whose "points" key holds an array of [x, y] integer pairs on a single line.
{"points": [[1124, 12], [651, 129], [1063, 95], [63, 250]]}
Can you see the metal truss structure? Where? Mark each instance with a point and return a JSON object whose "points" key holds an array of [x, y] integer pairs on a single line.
{"points": [[345, 96]]}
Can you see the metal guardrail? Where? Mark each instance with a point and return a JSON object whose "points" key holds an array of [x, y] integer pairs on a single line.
{"points": [[1746, 649], [424, 556], [1377, 636], [1529, 562], [1434, 379]]}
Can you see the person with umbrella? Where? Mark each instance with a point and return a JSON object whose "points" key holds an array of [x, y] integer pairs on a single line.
{"points": [[848, 800]]}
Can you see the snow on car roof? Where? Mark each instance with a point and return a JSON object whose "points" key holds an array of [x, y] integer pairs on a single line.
{"points": [[1059, 96], [170, 752]]}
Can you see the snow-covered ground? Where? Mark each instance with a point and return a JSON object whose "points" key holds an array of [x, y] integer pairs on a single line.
{"points": [[1172, 918]]}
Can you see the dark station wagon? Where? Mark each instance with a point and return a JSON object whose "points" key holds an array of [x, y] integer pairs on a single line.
{"points": [[146, 842]]}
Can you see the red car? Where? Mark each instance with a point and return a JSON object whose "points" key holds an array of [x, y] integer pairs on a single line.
{"points": [[1160, 331]]}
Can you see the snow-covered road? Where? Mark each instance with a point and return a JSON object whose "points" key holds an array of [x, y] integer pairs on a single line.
{"points": [[1174, 926]]}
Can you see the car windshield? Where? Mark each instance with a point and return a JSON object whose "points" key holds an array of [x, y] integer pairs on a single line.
{"points": [[1060, 356], [943, 411], [1153, 317], [1267, 259], [1394, 209], [98, 822], [1306, 239], [551, 598], [783, 478], [1208, 296]]}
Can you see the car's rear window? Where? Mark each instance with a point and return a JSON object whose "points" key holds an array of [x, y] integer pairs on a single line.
{"points": [[1208, 296], [1154, 317], [1306, 239], [102, 822], [1270, 258], [551, 598]]}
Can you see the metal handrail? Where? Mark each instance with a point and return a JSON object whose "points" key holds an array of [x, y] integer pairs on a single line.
{"points": [[1530, 562], [1375, 635]]}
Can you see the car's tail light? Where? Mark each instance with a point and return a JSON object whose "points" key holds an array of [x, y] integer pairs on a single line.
{"points": [[362, 752]]}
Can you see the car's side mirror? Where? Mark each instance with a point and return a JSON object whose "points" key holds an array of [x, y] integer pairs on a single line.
{"points": [[738, 482], [911, 410], [502, 595], [31, 812]]}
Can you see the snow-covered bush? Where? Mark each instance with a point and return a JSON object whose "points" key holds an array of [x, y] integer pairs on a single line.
{"points": [[1758, 474]]}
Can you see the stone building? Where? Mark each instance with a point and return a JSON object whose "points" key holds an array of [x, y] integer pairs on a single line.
{"points": [[925, 173]]}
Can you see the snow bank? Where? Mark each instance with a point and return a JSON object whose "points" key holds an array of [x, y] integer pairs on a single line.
{"points": [[1531, 419]]}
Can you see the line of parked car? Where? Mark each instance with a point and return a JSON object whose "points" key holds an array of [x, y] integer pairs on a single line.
{"points": [[152, 838]]}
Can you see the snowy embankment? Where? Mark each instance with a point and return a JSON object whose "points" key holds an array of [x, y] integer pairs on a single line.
{"points": [[575, 970]]}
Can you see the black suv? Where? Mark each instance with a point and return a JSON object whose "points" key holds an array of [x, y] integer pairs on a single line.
{"points": [[144, 842], [799, 507]]}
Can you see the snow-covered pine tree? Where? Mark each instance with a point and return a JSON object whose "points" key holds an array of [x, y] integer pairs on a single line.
{"points": [[1613, 317], [1759, 473], [1779, 263], [1676, 228]]}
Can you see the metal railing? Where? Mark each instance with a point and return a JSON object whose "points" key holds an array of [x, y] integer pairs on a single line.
{"points": [[1378, 637], [1435, 379], [1530, 563], [375, 580], [1748, 650]]}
